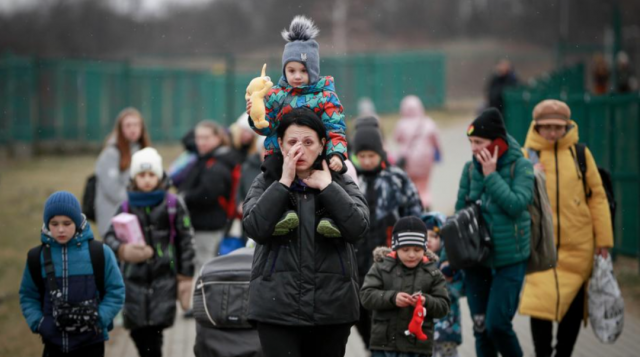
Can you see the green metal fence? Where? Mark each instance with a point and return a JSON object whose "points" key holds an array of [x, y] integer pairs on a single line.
{"points": [[610, 126], [74, 101]]}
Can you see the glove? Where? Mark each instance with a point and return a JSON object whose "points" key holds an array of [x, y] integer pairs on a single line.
{"points": [[185, 284], [131, 253]]}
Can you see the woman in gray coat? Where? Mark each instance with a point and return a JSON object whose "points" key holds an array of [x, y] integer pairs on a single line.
{"points": [[112, 168], [304, 286]]}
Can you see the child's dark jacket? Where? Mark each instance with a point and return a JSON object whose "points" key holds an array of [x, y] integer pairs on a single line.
{"points": [[387, 277], [152, 285]]}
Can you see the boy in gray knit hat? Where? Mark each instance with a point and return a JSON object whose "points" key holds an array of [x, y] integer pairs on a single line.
{"points": [[302, 86]]}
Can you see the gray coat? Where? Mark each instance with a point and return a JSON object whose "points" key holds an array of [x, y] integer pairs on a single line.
{"points": [[111, 188], [304, 278]]}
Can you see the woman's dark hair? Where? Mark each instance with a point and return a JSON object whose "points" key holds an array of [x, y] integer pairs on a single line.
{"points": [[302, 116]]}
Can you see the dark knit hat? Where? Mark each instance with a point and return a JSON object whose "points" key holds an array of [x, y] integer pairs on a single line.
{"points": [[368, 138], [367, 121], [434, 221], [63, 203], [302, 47], [409, 231], [488, 125]]}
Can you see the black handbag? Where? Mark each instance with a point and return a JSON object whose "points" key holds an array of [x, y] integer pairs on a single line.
{"points": [[466, 238]]}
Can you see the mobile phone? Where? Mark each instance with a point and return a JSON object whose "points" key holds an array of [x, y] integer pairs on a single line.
{"points": [[501, 144]]}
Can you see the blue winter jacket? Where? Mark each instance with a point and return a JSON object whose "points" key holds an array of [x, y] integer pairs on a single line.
{"points": [[75, 279]]}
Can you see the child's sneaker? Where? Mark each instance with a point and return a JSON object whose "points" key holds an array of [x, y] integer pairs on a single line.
{"points": [[288, 222], [327, 228]]}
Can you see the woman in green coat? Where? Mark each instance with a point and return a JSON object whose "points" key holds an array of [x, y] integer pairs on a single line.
{"points": [[502, 179]]}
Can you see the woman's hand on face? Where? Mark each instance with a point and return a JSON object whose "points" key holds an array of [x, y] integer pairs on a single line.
{"points": [[489, 162], [319, 179], [289, 165]]}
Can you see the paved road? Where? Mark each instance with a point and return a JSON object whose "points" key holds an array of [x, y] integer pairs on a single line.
{"points": [[179, 340]]}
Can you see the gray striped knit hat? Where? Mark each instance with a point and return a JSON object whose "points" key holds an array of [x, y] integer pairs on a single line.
{"points": [[409, 231]]}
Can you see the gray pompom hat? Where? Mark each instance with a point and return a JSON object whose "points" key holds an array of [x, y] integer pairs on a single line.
{"points": [[302, 46]]}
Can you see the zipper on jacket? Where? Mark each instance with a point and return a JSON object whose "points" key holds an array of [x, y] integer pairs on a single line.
{"points": [[558, 219], [344, 273], [65, 293]]}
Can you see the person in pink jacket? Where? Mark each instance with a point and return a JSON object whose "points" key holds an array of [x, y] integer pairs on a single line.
{"points": [[418, 144]]}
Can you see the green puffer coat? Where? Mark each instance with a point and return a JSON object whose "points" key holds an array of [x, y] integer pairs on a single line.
{"points": [[505, 195]]}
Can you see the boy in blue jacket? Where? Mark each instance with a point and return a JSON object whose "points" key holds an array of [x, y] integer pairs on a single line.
{"points": [[64, 304]]}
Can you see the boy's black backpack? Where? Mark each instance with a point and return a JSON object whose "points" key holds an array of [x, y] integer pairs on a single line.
{"points": [[97, 263], [604, 175], [466, 238], [89, 197]]}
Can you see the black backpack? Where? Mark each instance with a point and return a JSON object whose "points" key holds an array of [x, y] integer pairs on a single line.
{"points": [[96, 251], [466, 238], [89, 197], [605, 176]]}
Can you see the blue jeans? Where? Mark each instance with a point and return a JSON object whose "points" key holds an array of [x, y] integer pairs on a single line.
{"points": [[493, 296], [379, 353]]}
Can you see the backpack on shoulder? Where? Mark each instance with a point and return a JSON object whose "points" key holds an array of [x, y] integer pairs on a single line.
{"points": [[543, 250], [605, 176], [466, 238], [89, 197]]}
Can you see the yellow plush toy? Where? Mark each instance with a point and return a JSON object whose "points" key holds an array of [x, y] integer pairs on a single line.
{"points": [[256, 90]]}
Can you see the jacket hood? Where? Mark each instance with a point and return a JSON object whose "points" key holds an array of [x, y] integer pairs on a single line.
{"points": [[84, 235], [381, 252], [536, 142], [323, 84]]}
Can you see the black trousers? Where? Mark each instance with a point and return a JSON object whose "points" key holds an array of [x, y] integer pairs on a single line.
{"points": [[568, 330], [299, 341], [96, 349], [148, 341], [364, 326]]}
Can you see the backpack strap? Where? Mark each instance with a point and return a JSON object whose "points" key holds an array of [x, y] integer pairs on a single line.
{"points": [[172, 209], [35, 268], [96, 251], [49, 269], [125, 206], [581, 158]]}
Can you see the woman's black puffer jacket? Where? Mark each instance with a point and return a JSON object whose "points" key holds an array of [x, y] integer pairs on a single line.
{"points": [[304, 278]]}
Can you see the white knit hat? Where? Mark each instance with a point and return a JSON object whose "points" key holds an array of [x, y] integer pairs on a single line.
{"points": [[146, 159]]}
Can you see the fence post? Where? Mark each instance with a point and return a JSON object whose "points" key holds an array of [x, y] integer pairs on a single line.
{"points": [[231, 86]]}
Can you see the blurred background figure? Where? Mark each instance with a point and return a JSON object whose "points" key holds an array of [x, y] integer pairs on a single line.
{"points": [[626, 80], [503, 77], [418, 145], [366, 107], [112, 168], [600, 75], [243, 138], [181, 166]]}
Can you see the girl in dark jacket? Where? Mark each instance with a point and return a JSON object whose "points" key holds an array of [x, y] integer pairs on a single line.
{"points": [[304, 286], [155, 273]]}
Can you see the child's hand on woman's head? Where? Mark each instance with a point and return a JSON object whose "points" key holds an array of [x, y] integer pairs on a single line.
{"points": [[335, 164]]}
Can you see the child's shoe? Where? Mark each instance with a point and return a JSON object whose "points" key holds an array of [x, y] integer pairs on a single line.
{"points": [[288, 222], [327, 228]]}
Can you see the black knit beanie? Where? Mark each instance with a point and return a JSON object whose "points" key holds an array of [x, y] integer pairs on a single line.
{"points": [[488, 125], [367, 121], [409, 231], [368, 138]]}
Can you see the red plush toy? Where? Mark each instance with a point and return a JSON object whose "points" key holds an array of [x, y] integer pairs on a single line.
{"points": [[415, 326]]}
